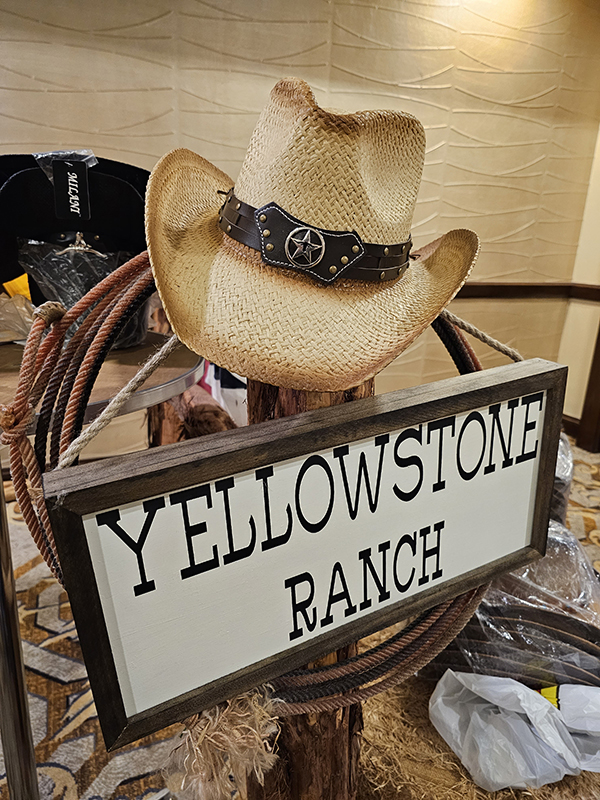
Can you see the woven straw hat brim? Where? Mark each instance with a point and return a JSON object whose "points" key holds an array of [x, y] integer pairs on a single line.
{"points": [[275, 325]]}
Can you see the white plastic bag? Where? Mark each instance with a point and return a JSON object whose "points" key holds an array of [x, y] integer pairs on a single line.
{"points": [[509, 735]]}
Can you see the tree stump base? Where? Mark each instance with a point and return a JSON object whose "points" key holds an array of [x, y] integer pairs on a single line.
{"points": [[318, 753]]}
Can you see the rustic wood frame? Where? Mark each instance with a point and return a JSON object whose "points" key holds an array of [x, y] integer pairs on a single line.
{"points": [[74, 492]]}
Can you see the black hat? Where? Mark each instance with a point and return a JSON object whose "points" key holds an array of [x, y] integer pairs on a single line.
{"points": [[27, 210]]}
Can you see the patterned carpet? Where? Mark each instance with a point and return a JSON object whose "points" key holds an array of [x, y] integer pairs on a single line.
{"points": [[583, 514], [73, 763]]}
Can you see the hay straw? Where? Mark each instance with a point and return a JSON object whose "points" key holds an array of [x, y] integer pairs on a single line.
{"points": [[221, 746], [404, 758]]}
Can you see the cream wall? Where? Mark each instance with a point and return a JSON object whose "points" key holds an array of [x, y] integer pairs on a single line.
{"points": [[509, 94], [583, 318]]}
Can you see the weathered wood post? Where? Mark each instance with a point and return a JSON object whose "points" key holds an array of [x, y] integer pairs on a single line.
{"points": [[318, 753]]}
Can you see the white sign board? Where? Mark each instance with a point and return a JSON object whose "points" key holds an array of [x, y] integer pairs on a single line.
{"points": [[201, 583]]}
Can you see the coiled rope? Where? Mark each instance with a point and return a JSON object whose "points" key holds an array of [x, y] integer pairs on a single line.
{"points": [[61, 377]]}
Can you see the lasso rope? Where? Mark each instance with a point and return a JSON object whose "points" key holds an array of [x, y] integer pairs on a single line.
{"points": [[482, 336], [117, 403], [41, 357], [62, 377]]}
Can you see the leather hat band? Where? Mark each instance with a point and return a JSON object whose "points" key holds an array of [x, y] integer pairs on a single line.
{"points": [[284, 241]]}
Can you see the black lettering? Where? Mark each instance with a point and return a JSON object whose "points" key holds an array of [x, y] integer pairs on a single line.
{"points": [[409, 461], [301, 606], [380, 582], [336, 597], [495, 413], [111, 520], [431, 551], [314, 461], [271, 541], [411, 541], [341, 453], [440, 425], [538, 397], [233, 555], [468, 475], [196, 529]]}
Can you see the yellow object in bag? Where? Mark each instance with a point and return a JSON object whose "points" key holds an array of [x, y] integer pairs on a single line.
{"points": [[18, 285]]}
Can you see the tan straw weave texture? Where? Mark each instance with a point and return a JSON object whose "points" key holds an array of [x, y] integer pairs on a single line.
{"points": [[335, 171]]}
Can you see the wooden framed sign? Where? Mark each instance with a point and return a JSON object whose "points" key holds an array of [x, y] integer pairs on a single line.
{"points": [[201, 569]]}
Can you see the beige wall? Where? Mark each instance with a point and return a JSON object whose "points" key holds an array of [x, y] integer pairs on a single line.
{"points": [[583, 318], [534, 327], [509, 94]]}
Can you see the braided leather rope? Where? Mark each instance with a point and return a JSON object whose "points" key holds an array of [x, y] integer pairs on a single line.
{"points": [[61, 378]]}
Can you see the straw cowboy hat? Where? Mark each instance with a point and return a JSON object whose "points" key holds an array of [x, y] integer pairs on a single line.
{"points": [[300, 275]]}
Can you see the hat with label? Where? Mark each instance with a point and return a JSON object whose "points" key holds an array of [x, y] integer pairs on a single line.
{"points": [[30, 208], [300, 275]]}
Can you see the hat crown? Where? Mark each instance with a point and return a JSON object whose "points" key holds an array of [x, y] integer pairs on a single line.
{"points": [[358, 171]]}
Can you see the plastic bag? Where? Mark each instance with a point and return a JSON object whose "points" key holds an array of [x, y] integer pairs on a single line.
{"points": [[65, 272], [508, 735], [16, 316]]}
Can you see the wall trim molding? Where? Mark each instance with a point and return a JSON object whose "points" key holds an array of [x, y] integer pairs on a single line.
{"points": [[571, 425], [508, 291], [586, 431], [588, 435]]}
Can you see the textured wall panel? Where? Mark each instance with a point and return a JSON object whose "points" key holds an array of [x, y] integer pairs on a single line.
{"points": [[533, 327], [509, 93]]}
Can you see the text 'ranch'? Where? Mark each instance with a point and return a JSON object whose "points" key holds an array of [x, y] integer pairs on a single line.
{"points": [[337, 488]]}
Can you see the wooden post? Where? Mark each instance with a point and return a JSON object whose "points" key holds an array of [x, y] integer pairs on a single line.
{"points": [[318, 753]]}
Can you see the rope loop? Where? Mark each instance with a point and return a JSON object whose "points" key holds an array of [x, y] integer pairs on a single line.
{"points": [[14, 425]]}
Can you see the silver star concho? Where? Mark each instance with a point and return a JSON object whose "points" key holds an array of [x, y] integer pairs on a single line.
{"points": [[304, 247]]}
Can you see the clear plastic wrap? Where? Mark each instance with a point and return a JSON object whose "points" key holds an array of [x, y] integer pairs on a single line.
{"points": [[44, 160], [66, 272], [539, 624], [562, 480]]}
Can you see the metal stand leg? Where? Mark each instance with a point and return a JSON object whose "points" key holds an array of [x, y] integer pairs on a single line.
{"points": [[17, 740]]}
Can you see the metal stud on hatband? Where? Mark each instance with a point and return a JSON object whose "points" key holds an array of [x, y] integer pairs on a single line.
{"points": [[400, 271], [266, 233], [263, 218], [228, 229], [238, 206], [355, 249], [333, 269], [269, 247], [344, 259], [382, 276], [386, 251]]}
